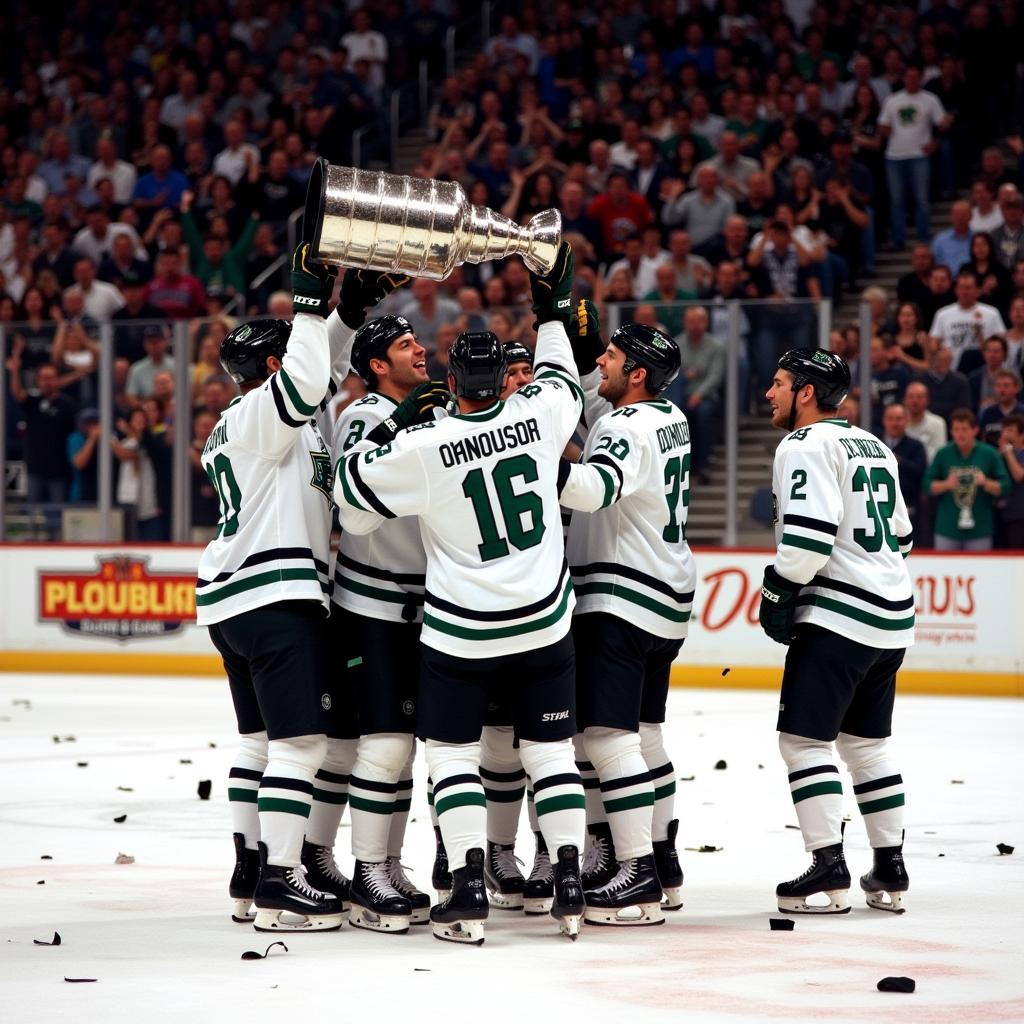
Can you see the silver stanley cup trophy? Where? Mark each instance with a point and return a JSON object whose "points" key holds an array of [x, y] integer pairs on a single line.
{"points": [[418, 226]]}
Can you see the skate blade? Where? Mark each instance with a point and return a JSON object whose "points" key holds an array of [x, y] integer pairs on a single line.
{"points": [[538, 905], [570, 926], [467, 932], [878, 901], [838, 903], [395, 924], [505, 900], [276, 921], [628, 917], [243, 912], [673, 898], [420, 915]]}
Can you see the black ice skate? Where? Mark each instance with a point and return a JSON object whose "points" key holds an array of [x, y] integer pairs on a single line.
{"points": [[376, 904], [419, 901], [568, 905], [599, 863], [827, 874], [460, 918], [243, 880], [539, 890], [631, 898], [323, 873], [504, 880], [889, 878], [670, 874], [282, 891], [441, 877]]}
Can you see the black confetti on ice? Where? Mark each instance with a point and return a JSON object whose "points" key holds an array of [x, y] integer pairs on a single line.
{"points": [[21, 702], [942, 855], [55, 941], [797, 827], [126, 789], [1003, 849], [425, 970], [725, 672], [956, 782], [781, 924], [897, 985], [121, 818], [761, 766], [704, 849], [204, 788], [42, 881], [251, 954], [184, 760], [79, 981], [687, 778], [46, 856], [213, 746], [82, 764], [720, 766]]}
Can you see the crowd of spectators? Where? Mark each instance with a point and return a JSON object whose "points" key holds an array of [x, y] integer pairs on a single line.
{"points": [[698, 153]]}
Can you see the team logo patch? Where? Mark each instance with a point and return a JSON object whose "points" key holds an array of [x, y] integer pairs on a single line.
{"points": [[243, 332], [325, 702], [323, 474], [823, 358], [408, 707]]}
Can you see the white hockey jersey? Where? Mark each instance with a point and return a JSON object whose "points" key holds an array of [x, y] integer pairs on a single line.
{"points": [[485, 486], [629, 555], [380, 574], [843, 531], [273, 473]]}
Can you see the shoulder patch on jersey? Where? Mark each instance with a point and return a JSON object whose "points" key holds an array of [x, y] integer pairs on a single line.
{"points": [[368, 400], [323, 474], [799, 435], [626, 410]]}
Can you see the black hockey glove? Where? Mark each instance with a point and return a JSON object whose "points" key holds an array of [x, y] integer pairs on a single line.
{"points": [[417, 408], [778, 605], [552, 293], [362, 290], [312, 282], [584, 332]]}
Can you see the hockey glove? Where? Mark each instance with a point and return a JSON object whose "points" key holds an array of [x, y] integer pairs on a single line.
{"points": [[584, 332], [778, 605], [418, 407], [312, 282], [362, 290], [552, 293]]}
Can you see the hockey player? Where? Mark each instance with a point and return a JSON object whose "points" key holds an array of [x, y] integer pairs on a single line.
{"points": [[839, 595], [262, 587], [634, 577], [378, 609], [498, 597]]}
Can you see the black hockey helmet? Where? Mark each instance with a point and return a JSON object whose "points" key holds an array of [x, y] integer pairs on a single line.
{"points": [[647, 348], [517, 353], [244, 352], [373, 339], [827, 372], [478, 363]]}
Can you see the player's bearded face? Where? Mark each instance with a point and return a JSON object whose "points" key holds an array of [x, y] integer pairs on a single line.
{"points": [[780, 397], [614, 381], [519, 374], [407, 359]]}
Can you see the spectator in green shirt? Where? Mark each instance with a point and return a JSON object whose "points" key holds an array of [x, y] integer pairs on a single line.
{"points": [[966, 476], [666, 298], [212, 261]]}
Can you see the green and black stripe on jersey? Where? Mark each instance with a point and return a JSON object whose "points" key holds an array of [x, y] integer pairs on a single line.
{"points": [[293, 564], [373, 577], [636, 587], [808, 533], [857, 603], [475, 624], [357, 492]]}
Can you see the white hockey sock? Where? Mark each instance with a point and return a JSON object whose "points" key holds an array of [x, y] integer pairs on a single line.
{"points": [[626, 789], [330, 792], [652, 746], [458, 798], [244, 783], [531, 806], [285, 796], [591, 783], [558, 793], [878, 787], [403, 803], [504, 783], [815, 787], [372, 791]]}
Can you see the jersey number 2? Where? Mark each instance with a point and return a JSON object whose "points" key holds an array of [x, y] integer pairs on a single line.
{"points": [[223, 478], [513, 507], [879, 512], [677, 479]]}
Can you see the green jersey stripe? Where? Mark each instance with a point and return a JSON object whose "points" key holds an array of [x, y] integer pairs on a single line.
{"points": [[609, 486], [293, 394], [401, 806], [633, 596], [394, 597], [483, 414], [263, 579], [342, 475], [449, 803], [664, 791], [243, 796], [274, 803], [565, 802], [501, 632], [806, 543], [818, 789], [565, 379], [629, 803], [359, 803], [884, 804], [893, 625]]}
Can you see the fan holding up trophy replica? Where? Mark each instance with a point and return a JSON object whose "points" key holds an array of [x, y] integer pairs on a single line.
{"points": [[964, 478]]}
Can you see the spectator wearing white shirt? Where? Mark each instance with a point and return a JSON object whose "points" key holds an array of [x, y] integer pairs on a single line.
{"points": [[503, 48], [96, 239], [985, 214], [964, 325], [179, 105], [232, 162], [923, 425], [624, 151], [363, 43], [100, 300], [121, 174]]}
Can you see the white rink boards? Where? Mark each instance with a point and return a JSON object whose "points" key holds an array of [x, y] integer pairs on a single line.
{"points": [[157, 935]]}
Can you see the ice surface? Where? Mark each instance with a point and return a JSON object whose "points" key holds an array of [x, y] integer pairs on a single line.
{"points": [[158, 937]]}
